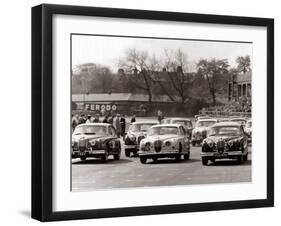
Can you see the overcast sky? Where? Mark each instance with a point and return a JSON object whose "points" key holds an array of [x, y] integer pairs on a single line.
{"points": [[107, 51]]}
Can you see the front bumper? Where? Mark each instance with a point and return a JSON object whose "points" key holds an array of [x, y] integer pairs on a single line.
{"points": [[131, 146], [221, 155], [88, 153], [162, 153]]}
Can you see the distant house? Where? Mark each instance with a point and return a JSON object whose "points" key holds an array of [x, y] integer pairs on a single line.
{"points": [[240, 86]]}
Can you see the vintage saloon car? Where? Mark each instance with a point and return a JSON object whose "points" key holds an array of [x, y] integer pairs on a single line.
{"points": [[185, 122], [241, 121], [248, 130], [165, 140], [98, 140], [136, 132], [226, 140], [199, 133]]}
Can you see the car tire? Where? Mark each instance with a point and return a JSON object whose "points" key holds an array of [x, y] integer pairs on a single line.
{"points": [[127, 153], [104, 158], [178, 157], [204, 161], [83, 158], [245, 157], [186, 156], [240, 159], [116, 156], [143, 160]]}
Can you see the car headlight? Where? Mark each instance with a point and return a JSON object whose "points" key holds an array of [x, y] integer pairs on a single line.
{"points": [[168, 143], [210, 143], [230, 143]]}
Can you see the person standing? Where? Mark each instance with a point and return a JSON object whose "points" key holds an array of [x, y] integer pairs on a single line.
{"points": [[133, 119], [123, 125], [89, 119], [116, 125], [160, 116], [96, 119]]}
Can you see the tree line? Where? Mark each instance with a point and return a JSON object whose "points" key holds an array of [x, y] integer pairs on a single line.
{"points": [[171, 75]]}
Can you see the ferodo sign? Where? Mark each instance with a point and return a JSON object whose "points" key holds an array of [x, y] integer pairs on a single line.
{"points": [[101, 107]]}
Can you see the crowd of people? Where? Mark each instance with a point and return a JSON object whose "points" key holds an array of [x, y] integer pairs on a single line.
{"points": [[243, 104], [118, 121]]}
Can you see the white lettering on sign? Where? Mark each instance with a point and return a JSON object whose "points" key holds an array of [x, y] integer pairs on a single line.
{"points": [[103, 107]]}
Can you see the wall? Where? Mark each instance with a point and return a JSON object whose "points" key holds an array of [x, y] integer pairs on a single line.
{"points": [[15, 111]]}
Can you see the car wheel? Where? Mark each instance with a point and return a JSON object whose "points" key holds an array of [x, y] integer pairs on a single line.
{"points": [[104, 158], [245, 157], [127, 153], [116, 156], [143, 160], [186, 156], [240, 159], [83, 158], [178, 157], [204, 161]]}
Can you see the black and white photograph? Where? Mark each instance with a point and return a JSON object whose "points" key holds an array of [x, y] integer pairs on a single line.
{"points": [[154, 111]]}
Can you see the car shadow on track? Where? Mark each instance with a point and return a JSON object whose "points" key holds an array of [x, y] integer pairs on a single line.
{"points": [[98, 161], [229, 163], [171, 161]]}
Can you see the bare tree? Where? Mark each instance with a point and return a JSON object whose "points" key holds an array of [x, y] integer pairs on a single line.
{"points": [[176, 66], [136, 71], [214, 72]]}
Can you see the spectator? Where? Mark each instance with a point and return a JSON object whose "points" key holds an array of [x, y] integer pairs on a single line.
{"points": [[160, 116], [133, 119], [105, 120], [89, 119], [123, 125], [96, 119], [74, 122], [81, 119], [116, 124]]}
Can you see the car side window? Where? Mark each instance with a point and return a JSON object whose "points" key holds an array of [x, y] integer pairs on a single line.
{"points": [[182, 131]]}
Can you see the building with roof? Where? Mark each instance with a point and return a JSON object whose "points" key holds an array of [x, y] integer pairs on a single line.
{"points": [[240, 87], [126, 103]]}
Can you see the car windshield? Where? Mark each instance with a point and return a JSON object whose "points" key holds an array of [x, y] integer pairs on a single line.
{"points": [[205, 123], [140, 127], [183, 123], [240, 121], [90, 130], [163, 130], [225, 130]]}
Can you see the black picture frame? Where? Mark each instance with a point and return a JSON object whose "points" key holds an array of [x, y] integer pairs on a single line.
{"points": [[42, 111]]}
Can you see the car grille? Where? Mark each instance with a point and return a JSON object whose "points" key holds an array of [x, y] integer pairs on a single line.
{"points": [[220, 146], [82, 148], [157, 145], [128, 141]]}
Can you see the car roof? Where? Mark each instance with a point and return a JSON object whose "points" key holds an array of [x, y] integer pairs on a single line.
{"points": [[144, 122], [94, 124], [207, 120], [226, 124], [180, 118], [167, 125], [238, 118]]}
